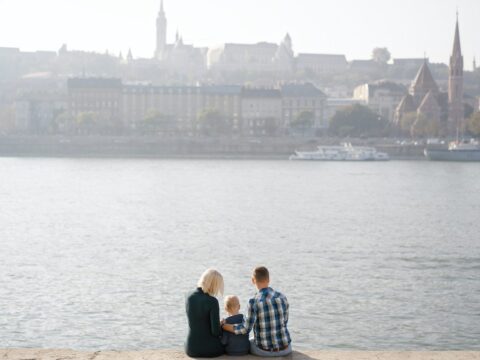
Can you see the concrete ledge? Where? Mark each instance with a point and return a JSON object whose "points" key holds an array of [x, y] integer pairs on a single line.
{"points": [[36, 354]]}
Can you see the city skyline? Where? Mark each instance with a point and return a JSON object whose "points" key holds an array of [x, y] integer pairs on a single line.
{"points": [[322, 28]]}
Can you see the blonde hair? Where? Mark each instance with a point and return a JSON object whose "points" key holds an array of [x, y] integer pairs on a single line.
{"points": [[231, 301], [211, 282]]}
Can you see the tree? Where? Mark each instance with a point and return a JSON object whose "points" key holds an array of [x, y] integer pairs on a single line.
{"points": [[473, 124], [87, 122], [304, 121], [425, 127], [406, 123], [357, 121], [213, 123], [381, 55], [7, 119], [271, 126], [62, 122], [156, 122]]}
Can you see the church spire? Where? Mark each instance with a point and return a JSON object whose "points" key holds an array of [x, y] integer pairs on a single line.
{"points": [[455, 86], [161, 45], [457, 49]]}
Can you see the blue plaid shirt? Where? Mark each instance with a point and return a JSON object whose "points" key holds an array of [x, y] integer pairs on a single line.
{"points": [[267, 315]]}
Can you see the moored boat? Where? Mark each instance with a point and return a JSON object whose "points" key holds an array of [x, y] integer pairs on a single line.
{"points": [[456, 151], [346, 152]]}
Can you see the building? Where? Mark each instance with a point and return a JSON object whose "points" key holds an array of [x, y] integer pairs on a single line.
{"points": [[261, 111], [180, 105], [300, 99], [186, 60], [321, 64], [427, 101], [424, 100], [382, 97], [99, 99], [254, 58]]}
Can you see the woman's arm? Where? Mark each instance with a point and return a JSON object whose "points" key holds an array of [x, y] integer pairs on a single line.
{"points": [[215, 319]]}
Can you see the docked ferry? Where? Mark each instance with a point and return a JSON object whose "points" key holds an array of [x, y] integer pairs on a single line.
{"points": [[346, 152], [456, 151]]}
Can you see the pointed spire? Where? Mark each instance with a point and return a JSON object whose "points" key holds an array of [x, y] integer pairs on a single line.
{"points": [[474, 64], [161, 7], [457, 50]]}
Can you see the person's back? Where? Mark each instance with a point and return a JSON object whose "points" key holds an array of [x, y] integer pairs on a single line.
{"points": [[267, 315], [273, 306], [236, 345], [204, 330]]}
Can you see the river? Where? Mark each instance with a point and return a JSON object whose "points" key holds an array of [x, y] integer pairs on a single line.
{"points": [[100, 254]]}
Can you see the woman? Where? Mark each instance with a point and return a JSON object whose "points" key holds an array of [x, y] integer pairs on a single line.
{"points": [[203, 312]]}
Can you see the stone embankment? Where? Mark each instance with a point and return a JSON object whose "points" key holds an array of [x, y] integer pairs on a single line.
{"points": [[35, 354], [170, 147]]}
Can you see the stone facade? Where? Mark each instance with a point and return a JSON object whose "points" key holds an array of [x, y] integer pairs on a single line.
{"points": [[248, 111], [382, 97]]}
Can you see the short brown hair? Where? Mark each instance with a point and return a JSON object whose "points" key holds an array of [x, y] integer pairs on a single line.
{"points": [[260, 273]]}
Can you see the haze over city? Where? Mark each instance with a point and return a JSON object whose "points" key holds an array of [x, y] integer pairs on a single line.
{"points": [[408, 28]]}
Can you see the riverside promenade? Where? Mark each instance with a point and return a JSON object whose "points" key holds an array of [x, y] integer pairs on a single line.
{"points": [[36, 354]]}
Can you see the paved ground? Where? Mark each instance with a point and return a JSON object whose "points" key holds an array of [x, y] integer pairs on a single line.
{"points": [[35, 354]]}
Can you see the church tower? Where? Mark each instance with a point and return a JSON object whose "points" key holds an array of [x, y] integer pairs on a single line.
{"points": [[455, 86], [161, 34]]}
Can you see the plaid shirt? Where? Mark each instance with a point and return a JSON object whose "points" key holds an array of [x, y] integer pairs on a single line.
{"points": [[267, 314]]}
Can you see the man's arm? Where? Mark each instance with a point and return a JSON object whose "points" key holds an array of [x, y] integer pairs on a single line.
{"points": [[285, 315], [247, 325]]}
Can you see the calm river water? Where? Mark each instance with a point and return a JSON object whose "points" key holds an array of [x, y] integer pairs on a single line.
{"points": [[99, 254]]}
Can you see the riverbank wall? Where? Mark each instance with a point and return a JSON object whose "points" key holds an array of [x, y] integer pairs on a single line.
{"points": [[157, 147], [36, 354]]}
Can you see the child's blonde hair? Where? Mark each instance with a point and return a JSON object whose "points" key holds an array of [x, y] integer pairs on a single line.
{"points": [[231, 301]]}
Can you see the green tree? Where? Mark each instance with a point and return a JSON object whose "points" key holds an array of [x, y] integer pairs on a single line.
{"points": [[357, 121], [271, 126], [87, 122], [304, 121], [62, 122], [156, 122], [406, 123], [473, 124], [7, 119], [213, 123], [425, 127], [381, 55]]}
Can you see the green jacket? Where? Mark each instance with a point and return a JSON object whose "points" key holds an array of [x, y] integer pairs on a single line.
{"points": [[204, 332]]}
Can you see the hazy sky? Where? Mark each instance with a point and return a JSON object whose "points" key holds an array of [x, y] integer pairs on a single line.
{"points": [[409, 28]]}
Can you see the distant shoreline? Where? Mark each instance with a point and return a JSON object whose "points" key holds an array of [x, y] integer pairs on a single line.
{"points": [[181, 148]]}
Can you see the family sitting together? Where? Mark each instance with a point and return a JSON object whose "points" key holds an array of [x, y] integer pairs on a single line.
{"points": [[267, 315]]}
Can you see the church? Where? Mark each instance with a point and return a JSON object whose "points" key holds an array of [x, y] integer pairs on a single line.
{"points": [[426, 103], [178, 56]]}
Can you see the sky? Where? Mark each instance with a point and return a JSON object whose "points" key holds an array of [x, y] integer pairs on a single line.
{"points": [[408, 28]]}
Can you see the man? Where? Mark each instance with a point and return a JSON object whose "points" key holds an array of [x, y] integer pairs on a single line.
{"points": [[267, 315]]}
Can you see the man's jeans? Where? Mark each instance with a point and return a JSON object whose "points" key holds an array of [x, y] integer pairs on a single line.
{"points": [[255, 350]]}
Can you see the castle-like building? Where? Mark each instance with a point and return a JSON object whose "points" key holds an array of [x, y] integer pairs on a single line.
{"points": [[176, 56], [445, 110]]}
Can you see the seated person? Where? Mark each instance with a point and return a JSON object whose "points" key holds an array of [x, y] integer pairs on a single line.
{"points": [[234, 344]]}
